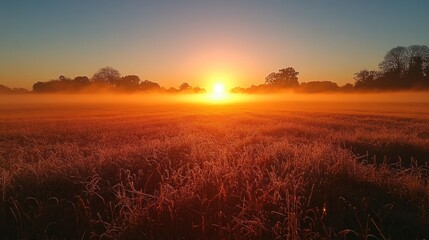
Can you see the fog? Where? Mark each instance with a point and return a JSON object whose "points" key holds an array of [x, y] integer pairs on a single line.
{"points": [[387, 97], [155, 99]]}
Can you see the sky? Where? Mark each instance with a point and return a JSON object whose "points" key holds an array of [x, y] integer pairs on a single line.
{"points": [[171, 42]]}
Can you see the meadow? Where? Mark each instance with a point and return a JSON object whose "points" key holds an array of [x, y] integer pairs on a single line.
{"points": [[265, 170]]}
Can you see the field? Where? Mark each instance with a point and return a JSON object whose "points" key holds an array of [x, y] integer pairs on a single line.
{"points": [[268, 170]]}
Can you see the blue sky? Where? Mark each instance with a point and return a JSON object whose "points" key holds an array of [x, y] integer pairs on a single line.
{"points": [[171, 42]]}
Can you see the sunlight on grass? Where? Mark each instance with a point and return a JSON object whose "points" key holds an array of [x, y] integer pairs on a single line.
{"points": [[132, 166]]}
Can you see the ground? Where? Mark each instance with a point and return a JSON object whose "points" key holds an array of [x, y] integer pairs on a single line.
{"points": [[268, 170]]}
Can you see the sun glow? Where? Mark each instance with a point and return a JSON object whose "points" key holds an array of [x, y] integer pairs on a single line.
{"points": [[218, 87], [219, 92]]}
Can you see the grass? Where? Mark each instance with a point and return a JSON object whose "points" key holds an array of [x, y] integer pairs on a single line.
{"points": [[260, 171]]}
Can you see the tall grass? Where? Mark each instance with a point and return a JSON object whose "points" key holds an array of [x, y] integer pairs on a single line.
{"points": [[210, 172]]}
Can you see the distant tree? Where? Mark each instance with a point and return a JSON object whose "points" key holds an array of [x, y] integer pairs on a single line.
{"points": [[198, 90], [185, 87], [418, 57], [19, 90], [262, 88], [395, 60], [401, 68], [347, 87], [420, 51], [39, 87], [271, 79], [4, 89], [107, 75], [415, 73], [172, 90], [238, 90], [82, 79], [365, 79], [8, 90], [64, 78], [319, 86], [79, 83], [149, 85], [62, 84], [129, 83], [285, 78]]}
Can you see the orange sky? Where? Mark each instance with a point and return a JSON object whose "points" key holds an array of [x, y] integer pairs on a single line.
{"points": [[192, 41]]}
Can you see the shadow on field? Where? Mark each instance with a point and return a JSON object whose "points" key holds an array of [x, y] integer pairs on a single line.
{"points": [[401, 154], [364, 210]]}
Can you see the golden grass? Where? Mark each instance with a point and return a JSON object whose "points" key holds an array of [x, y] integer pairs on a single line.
{"points": [[295, 170]]}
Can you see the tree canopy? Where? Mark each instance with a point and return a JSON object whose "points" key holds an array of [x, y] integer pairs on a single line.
{"points": [[401, 68], [107, 75], [285, 78]]}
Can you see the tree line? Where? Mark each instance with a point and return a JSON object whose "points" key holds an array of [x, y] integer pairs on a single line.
{"points": [[287, 79], [402, 68], [107, 79], [8, 90]]}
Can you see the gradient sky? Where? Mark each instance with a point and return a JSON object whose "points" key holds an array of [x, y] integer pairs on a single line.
{"points": [[171, 42]]}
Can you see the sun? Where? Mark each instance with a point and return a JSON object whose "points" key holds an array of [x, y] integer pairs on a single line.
{"points": [[219, 91], [218, 87]]}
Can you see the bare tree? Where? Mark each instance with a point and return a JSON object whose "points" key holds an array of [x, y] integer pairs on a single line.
{"points": [[419, 51], [418, 63], [107, 75], [396, 60]]}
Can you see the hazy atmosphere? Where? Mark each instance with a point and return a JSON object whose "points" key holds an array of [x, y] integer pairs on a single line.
{"points": [[214, 120], [170, 42]]}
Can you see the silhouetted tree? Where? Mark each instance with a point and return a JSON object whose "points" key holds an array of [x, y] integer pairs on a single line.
{"points": [[365, 79], [285, 78], [107, 75], [19, 90], [185, 87], [418, 65], [82, 80], [62, 84], [39, 87], [401, 68], [8, 90], [262, 88], [404, 66], [148, 85], [421, 51], [129, 83], [79, 83], [197, 89], [393, 68], [239, 90], [5, 90], [172, 90], [395, 60], [319, 86], [347, 87], [64, 78], [415, 73], [105, 79]]}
